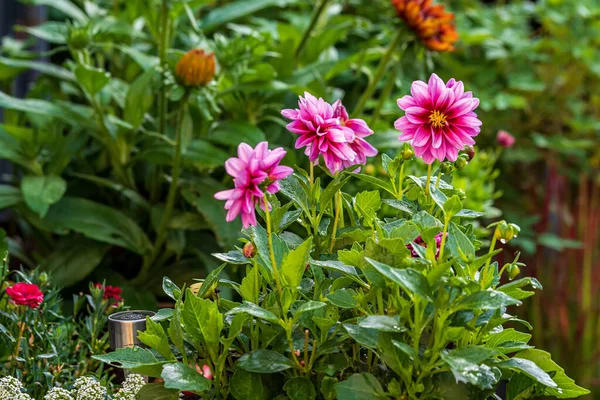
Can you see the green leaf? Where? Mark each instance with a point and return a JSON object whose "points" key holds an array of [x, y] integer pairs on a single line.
{"points": [[201, 196], [9, 196], [332, 189], [292, 189], [181, 377], [294, 264], [566, 386], [466, 366], [232, 257], [452, 206], [140, 97], [300, 388], [530, 369], [486, 300], [157, 391], [367, 204], [507, 335], [52, 32], [412, 281], [387, 186], [136, 359], [343, 298], [264, 362], [73, 259], [18, 66], [162, 314], [237, 9], [382, 323], [359, 387], [260, 239], [340, 267], [309, 306], [40, 192], [256, 311], [211, 281], [458, 243], [231, 133], [364, 336], [247, 386], [171, 289], [155, 337], [92, 79], [65, 6], [513, 289], [98, 222], [401, 205], [202, 320], [469, 214]]}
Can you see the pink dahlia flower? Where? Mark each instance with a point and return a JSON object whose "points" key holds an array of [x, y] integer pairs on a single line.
{"points": [[505, 139], [361, 130], [321, 132], [439, 119], [254, 171], [420, 242]]}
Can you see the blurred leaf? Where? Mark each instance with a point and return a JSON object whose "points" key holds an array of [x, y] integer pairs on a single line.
{"points": [[264, 362], [39, 192], [9, 196], [360, 387], [92, 79], [237, 9], [232, 133], [98, 222], [182, 377]]}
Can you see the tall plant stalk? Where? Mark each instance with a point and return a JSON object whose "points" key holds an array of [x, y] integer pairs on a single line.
{"points": [[311, 26], [378, 73]]}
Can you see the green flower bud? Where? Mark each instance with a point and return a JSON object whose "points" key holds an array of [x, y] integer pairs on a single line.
{"points": [[462, 161], [407, 152], [249, 250], [504, 232], [78, 37], [446, 167], [513, 271], [461, 194], [43, 277]]}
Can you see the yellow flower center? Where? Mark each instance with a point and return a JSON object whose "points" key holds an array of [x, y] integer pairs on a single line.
{"points": [[437, 119]]}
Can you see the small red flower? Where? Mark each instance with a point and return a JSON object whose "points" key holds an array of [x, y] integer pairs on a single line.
{"points": [[111, 292], [25, 294]]}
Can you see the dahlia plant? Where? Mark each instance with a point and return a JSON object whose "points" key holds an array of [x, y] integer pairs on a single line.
{"points": [[338, 301]]}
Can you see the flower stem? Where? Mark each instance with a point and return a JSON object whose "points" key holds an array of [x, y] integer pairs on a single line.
{"points": [[315, 18], [492, 246], [442, 244], [337, 199], [311, 179], [400, 181], [161, 232], [428, 179], [271, 252], [163, 39], [378, 74]]}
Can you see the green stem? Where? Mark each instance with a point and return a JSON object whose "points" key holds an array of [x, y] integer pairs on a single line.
{"points": [[162, 231], [337, 199], [311, 179], [428, 179], [378, 74], [439, 178], [417, 328], [492, 246], [385, 95], [399, 196], [162, 97], [271, 252], [441, 256], [311, 26]]}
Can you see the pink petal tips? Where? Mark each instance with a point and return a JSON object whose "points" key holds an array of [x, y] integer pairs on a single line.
{"points": [[438, 119], [254, 171], [326, 130]]}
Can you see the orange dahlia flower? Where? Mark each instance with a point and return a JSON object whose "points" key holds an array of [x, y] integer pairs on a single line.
{"points": [[195, 68], [434, 26]]}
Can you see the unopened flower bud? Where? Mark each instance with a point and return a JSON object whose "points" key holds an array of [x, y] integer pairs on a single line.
{"points": [[370, 169], [196, 68], [43, 277], [249, 250], [505, 139], [78, 37], [446, 167], [470, 152], [513, 271], [407, 152], [461, 194], [504, 232], [462, 161]]}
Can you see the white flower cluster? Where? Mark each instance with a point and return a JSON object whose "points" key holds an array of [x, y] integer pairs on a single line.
{"points": [[131, 386], [58, 394], [87, 388], [10, 388]]}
